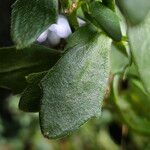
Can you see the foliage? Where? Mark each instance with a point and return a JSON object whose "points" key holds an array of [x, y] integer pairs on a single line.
{"points": [[66, 86]]}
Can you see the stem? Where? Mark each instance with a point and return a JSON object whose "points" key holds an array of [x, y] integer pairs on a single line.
{"points": [[64, 4], [124, 136], [70, 11], [84, 7], [72, 18]]}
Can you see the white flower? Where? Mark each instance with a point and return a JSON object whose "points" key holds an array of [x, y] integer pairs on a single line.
{"points": [[62, 28], [43, 37], [59, 30]]}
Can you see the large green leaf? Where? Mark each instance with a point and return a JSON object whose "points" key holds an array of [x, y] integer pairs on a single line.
{"points": [[15, 65], [139, 38], [134, 10], [31, 96], [30, 18], [106, 19], [74, 88]]}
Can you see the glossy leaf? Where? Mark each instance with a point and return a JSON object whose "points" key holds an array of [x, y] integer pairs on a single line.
{"points": [[15, 65], [72, 94], [30, 18], [31, 96], [134, 10], [139, 39], [107, 20]]}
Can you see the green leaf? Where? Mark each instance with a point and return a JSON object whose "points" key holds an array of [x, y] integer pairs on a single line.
{"points": [[132, 71], [30, 18], [131, 105], [82, 36], [31, 96], [119, 58], [15, 65], [138, 97], [134, 10], [139, 39], [74, 88], [110, 4], [106, 19]]}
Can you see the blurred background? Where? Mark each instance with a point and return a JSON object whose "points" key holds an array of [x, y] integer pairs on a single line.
{"points": [[115, 130]]}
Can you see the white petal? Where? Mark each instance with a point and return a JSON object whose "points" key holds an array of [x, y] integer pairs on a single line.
{"points": [[62, 28], [53, 38], [42, 37], [53, 28], [81, 22], [64, 25]]}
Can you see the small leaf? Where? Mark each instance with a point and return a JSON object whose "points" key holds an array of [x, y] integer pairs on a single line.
{"points": [[134, 10], [15, 65], [107, 20], [74, 88], [31, 96], [30, 18], [119, 58], [139, 38]]}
